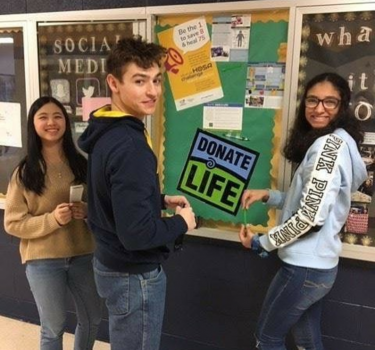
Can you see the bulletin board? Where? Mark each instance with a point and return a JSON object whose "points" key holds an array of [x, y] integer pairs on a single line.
{"points": [[261, 125]]}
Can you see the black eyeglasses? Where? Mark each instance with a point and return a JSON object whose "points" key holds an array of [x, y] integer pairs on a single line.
{"points": [[328, 103]]}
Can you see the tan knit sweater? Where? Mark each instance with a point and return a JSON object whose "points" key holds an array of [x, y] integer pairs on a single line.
{"points": [[30, 217]]}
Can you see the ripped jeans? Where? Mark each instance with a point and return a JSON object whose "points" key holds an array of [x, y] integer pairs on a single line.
{"points": [[294, 302]]}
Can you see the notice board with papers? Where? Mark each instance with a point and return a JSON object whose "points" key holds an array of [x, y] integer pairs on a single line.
{"points": [[224, 74]]}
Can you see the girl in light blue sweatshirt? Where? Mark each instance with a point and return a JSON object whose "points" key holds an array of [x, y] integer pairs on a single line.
{"points": [[324, 144]]}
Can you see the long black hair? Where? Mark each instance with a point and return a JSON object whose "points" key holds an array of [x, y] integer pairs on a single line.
{"points": [[302, 135], [32, 168]]}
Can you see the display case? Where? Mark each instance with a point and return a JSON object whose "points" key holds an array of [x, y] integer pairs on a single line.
{"points": [[59, 54], [72, 62], [342, 41]]}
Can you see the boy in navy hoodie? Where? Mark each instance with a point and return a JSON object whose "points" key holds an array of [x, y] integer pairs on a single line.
{"points": [[124, 199]]}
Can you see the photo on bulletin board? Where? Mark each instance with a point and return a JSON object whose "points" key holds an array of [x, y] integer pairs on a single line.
{"points": [[205, 88], [341, 42]]}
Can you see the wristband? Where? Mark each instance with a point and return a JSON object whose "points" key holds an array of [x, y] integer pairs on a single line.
{"points": [[257, 248]]}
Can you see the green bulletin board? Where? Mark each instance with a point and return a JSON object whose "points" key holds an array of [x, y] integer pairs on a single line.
{"points": [[268, 37]]}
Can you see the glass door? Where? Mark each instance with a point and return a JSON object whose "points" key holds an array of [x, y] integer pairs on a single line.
{"points": [[13, 108]]}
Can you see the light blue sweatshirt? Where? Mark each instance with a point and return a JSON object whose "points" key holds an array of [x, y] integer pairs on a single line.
{"points": [[317, 204]]}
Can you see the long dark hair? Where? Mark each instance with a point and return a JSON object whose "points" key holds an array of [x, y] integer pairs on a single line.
{"points": [[302, 135], [33, 167]]}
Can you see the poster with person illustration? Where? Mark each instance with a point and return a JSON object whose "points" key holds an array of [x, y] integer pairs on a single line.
{"points": [[231, 38]]}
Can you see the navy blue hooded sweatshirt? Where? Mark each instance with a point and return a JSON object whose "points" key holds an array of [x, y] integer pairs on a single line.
{"points": [[124, 199]]}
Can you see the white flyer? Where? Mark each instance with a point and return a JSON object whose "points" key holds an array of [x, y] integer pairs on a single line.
{"points": [[76, 193]]}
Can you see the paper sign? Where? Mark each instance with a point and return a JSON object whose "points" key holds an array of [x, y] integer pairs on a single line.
{"points": [[222, 117], [90, 104], [217, 171], [76, 193], [193, 76], [10, 124]]}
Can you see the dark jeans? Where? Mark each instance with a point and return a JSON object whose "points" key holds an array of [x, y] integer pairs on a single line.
{"points": [[294, 302]]}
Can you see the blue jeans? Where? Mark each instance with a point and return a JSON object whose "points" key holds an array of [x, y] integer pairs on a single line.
{"points": [[50, 280], [294, 302], [135, 305]]}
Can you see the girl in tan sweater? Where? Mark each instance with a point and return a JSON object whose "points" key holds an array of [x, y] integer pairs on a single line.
{"points": [[55, 245]]}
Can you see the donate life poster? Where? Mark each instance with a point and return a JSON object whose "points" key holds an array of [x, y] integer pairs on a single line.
{"points": [[217, 171], [193, 77]]}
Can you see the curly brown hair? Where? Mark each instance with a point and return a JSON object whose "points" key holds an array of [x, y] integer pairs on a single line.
{"points": [[133, 50]]}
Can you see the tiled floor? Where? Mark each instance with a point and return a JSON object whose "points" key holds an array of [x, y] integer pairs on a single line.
{"points": [[18, 335]]}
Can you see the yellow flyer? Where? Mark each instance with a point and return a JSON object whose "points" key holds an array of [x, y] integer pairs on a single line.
{"points": [[194, 78]]}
